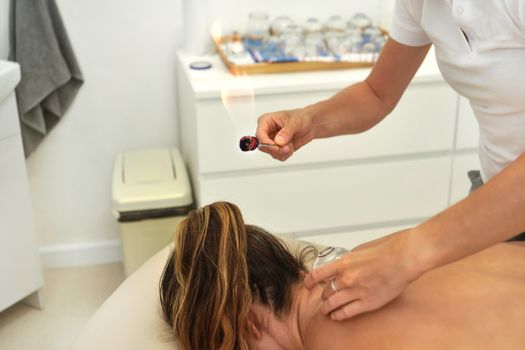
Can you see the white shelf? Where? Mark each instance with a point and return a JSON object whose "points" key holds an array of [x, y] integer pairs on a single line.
{"points": [[210, 83]]}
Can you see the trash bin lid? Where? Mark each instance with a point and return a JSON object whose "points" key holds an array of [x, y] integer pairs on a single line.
{"points": [[150, 179]]}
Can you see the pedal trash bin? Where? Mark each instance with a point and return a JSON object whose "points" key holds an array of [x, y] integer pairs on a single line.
{"points": [[151, 195]]}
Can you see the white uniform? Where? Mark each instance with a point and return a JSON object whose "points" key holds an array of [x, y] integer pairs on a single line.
{"points": [[480, 50]]}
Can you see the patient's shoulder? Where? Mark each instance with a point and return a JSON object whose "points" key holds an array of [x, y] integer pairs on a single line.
{"points": [[323, 333], [356, 333]]}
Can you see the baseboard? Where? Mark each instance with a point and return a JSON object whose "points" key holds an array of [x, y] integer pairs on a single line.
{"points": [[81, 254]]}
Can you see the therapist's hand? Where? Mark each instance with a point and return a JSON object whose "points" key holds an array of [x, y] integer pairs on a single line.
{"points": [[367, 278], [290, 130]]}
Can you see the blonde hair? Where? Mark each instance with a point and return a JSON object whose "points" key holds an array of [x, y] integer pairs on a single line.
{"points": [[218, 267]]}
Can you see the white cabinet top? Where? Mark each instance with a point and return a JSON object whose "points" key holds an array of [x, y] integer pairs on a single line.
{"points": [[209, 83], [9, 78]]}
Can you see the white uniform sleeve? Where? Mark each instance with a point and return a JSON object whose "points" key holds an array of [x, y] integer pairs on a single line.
{"points": [[406, 23]]}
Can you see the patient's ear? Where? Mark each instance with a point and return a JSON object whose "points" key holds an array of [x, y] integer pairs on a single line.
{"points": [[254, 326]]}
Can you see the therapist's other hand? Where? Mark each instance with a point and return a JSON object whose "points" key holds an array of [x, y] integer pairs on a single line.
{"points": [[290, 130], [367, 278]]}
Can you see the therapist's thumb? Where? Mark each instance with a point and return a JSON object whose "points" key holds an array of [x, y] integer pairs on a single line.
{"points": [[284, 136]]}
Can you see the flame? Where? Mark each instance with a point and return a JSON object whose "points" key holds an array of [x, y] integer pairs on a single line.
{"points": [[238, 100], [216, 30], [238, 93], [236, 96]]}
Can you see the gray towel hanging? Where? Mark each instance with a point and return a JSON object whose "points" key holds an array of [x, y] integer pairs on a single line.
{"points": [[51, 76]]}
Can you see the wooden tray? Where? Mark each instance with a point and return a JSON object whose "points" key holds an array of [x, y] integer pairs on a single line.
{"points": [[286, 67]]}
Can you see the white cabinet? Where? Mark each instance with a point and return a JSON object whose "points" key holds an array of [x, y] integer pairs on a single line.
{"points": [[20, 269], [392, 176], [331, 198]]}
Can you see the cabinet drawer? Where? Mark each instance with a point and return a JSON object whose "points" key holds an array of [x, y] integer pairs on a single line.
{"points": [[9, 124], [422, 122], [334, 199]]}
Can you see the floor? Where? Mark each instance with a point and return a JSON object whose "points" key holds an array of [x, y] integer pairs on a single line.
{"points": [[71, 296]]}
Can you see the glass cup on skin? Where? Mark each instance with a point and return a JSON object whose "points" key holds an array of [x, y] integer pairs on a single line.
{"points": [[329, 255]]}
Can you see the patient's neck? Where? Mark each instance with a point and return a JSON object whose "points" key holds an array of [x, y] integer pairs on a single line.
{"points": [[305, 306]]}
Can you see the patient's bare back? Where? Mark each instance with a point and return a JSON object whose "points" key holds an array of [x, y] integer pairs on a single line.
{"points": [[476, 303]]}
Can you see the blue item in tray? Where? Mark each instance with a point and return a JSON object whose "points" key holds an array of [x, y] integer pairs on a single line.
{"points": [[267, 51]]}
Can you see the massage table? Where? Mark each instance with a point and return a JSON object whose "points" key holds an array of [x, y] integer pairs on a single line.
{"points": [[131, 318]]}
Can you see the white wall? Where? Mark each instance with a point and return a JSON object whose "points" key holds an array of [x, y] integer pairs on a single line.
{"points": [[126, 49], [4, 29], [235, 13]]}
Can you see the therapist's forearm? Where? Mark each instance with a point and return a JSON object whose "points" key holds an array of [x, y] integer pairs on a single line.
{"points": [[352, 110], [493, 213], [361, 106]]}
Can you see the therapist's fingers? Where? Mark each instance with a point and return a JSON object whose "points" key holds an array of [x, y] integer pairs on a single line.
{"points": [[288, 130], [342, 284], [285, 152], [349, 302], [276, 129], [338, 300], [351, 309], [268, 125], [321, 274], [369, 277]]}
